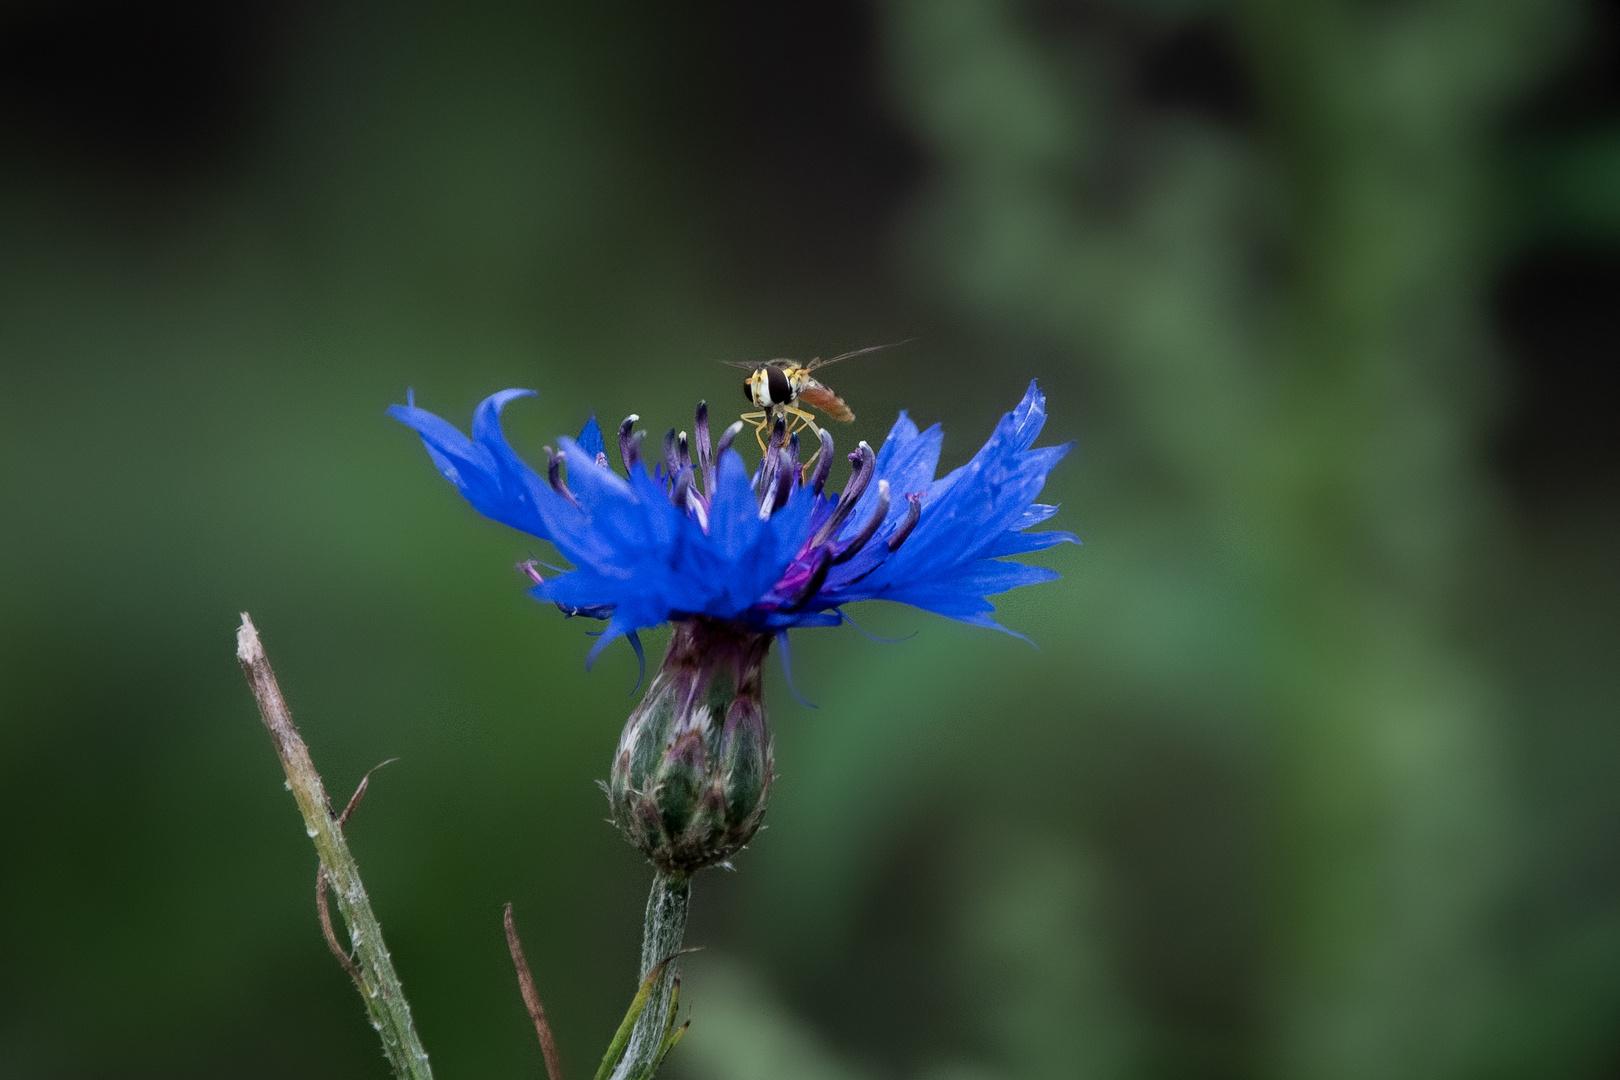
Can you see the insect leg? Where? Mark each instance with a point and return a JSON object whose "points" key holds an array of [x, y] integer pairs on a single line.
{"points": [[806, 422], [760, 420], [803, 421]]}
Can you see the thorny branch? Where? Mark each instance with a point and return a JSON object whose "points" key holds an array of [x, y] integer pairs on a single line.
{"points": [[371, 968]]}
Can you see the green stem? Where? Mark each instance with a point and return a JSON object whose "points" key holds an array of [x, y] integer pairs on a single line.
{"points": [[372, 970], [662, 933]]}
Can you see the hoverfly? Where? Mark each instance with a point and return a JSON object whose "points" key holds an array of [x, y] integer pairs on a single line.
{"points": [[776, 388]]}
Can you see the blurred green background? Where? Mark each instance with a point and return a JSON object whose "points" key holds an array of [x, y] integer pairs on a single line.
{"points": [[1314, 772]]}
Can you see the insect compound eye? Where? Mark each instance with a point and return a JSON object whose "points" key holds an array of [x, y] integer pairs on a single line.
{"points": [[776, 381], [748, 390]]}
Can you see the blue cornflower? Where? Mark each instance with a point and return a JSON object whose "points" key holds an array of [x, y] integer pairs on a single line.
{"points": [[697, 537]]}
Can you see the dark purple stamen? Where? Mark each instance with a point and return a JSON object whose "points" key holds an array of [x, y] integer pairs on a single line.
{"points": [[727, 437], [813, 584], [824, 461], [698, 506], [686, 497], [705, 454], [860, 539], [776, 474], [629, 448], [554, 464], [787, 471], [913, 512], [864, 462], [682, 489], [770, 470], [765, 481], [672, 461], [792, 461]]}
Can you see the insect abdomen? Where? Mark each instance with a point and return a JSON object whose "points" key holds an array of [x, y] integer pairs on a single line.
{"points": [[824, 399]]}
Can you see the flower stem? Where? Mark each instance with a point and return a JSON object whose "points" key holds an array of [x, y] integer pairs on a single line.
{"points": [[662, 933], [370, 967]]}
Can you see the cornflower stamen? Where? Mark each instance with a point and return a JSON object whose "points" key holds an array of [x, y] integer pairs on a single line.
{"points": [[629, 447], [880, 513], [913, 512], [681, 488], [812, 585], [791, 460], [727, 437], [698, 506], [864, 462], [686, 496], [770, 466], [672, 461], [705, 453], [772, 473], [787, 472], [764, 482], [554, 463], [823, 462]]}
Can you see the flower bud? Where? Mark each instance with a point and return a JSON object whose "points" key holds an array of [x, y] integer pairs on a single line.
{"points": [[693, 769]]}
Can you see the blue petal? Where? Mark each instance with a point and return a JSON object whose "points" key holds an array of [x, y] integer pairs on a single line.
{"points": [[615, 628], [590, 438], [483, 469], [1017, 543], [1033, 516], [968, 516]]}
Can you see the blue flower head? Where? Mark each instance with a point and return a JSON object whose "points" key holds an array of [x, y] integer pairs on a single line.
{"points": [[696, 536]]}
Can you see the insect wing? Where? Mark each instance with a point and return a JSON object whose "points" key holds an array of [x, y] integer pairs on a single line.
{"points": [[825, 400], [814, 364], [755, 365]]}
